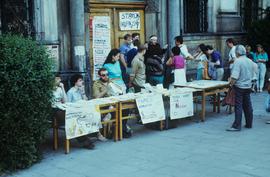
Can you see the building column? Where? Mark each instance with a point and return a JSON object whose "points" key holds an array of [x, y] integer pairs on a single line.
{"points": [[77, 35], [174, 22]]}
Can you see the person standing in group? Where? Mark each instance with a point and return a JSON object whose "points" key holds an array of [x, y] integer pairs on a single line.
{"points": [[249, 53], [231, 44], [153, 61], [112, 65], [184, 51], [137, 76], [260, 57], [202, 59], [178, 64], [241, 80], [132, 53], [124, 48], [216, 70]]}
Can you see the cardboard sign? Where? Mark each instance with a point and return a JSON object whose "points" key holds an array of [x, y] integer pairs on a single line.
{"points": [[151, 108], [181, 105], [82, 118], [129, 21]]}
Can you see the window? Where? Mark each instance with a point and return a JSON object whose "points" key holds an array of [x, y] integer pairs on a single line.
{"points": [[16, 16], [249, 12], [195, 16]]}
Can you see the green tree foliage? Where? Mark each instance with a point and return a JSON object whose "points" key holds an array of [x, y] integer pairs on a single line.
{"points": [[25, 93], [259, 32]]}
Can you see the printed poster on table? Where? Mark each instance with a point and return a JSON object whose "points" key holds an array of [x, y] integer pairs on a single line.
{"points": [[129, 21], [151, 108], [181, 105], [81, 119], [101, 41]]}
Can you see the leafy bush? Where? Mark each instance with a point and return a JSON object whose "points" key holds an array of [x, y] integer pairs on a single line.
{"points": [[26, 89]]}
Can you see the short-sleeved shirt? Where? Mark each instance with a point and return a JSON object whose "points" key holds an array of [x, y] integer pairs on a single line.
{"points": [[215, 56], [260, 56], [99, 87], [114, 72], [138, 70], [58, 97], [74, 94], [232, 55], [243, 72], [124, 50], [178, 62], [184, 51]]}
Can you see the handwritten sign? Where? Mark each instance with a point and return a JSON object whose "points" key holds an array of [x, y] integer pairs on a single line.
{"points": [[129, 21], [151, 108], [81, 119], [181, 105], [101, 41]]}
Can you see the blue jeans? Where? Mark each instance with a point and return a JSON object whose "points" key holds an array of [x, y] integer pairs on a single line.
{"points": [[261, 75], [242, 103], [154, 80]]}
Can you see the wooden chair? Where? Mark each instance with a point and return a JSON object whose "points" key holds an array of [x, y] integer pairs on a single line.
{"points": [[103, 110]]}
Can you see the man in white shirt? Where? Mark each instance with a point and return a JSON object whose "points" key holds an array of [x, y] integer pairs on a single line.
{"points": [[184, 51], [232, 56]]}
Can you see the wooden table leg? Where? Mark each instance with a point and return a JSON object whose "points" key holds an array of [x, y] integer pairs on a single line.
{"points": [[218, 102], [214, 102], [67, 146], [120, 122], [116, 127], [55, 134], [203, 106]]}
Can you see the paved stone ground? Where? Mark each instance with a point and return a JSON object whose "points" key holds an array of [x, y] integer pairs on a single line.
{"points": [[190, 150]]}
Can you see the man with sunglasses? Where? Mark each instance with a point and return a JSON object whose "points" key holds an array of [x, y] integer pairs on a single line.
{"points": [[100, 86], [101, 90]]}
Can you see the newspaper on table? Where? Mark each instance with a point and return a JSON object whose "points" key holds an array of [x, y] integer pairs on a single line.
{"points": [[181, 103], [82, 118], [151, 107]]}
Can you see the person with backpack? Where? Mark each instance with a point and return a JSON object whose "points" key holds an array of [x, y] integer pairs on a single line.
{"points": [[153, 61]]}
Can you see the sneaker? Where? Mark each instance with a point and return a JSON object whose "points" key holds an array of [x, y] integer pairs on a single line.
{"points": [[89, 145], [100, 137], [267, 122], [232, 129]]}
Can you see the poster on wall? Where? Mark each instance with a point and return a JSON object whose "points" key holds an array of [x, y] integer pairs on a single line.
{"points": [[82, 118], [129, 21], [101, 41], [181, 105], [151, 108]]}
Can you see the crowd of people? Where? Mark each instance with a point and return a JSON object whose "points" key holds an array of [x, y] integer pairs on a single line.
{"points": [[134, 64]]}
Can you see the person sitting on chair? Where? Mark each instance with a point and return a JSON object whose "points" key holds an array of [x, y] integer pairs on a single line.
{"points": [[58, 104]]}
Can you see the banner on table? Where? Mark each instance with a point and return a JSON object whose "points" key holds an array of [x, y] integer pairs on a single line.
{"points": [[151, 108], [181, 105], [81, 119]]}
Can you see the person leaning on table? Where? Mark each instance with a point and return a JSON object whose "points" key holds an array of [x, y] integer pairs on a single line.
{"points": [[241, 80]]}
